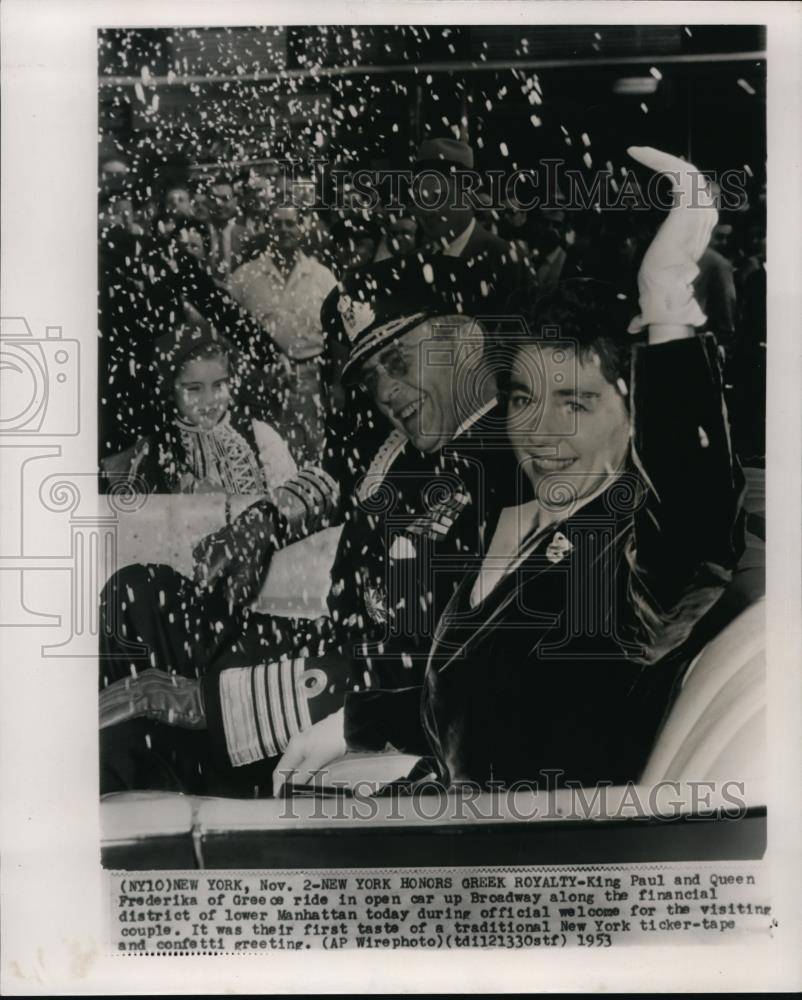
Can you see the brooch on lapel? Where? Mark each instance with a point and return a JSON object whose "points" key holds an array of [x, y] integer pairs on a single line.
{"points": [[558, 548]]}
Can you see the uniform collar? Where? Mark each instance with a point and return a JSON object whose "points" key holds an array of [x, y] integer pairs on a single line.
{"points": [[481, 412], [396, 442]]}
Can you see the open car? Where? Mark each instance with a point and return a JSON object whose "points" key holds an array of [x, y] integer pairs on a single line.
{"points": [[701, 795]]}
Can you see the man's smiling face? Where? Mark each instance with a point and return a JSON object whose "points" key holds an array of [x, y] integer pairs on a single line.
{"points": [[412, 383], [566, 421]]}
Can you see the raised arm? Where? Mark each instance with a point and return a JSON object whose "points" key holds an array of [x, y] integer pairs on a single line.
{"points": [[685, 543]]}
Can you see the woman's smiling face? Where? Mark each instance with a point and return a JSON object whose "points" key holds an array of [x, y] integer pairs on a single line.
{"points": [[565, 421]]}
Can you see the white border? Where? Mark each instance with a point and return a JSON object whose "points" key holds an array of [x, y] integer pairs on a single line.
{"points": [[51, 881]]}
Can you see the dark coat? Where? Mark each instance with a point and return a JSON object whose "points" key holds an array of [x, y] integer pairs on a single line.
{"points": [[402, 550], [399, 561], [541, 675]]}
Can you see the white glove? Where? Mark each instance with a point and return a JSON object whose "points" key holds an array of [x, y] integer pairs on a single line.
{"points": [[665, 279]]}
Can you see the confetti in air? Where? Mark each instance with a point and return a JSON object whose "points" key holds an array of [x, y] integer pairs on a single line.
{"points": [[219, 148]]}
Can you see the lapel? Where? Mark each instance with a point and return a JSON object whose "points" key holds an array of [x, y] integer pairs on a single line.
{"points": [[527, 574], [492, 608]]}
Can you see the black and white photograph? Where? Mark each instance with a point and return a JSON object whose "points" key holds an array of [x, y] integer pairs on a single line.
{"points": [[465, 362], [418, 556]]}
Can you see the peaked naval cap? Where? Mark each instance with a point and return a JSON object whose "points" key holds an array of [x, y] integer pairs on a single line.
{"points": [[380, 303]]}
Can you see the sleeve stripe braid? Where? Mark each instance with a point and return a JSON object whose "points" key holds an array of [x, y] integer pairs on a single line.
{"points": [[254, 695], [309, 476], [313, 482], [287, 693], [262, 708], [276, 705], [272, 710], [263, 712], [286, 711], [310, 496], [239, 719]]}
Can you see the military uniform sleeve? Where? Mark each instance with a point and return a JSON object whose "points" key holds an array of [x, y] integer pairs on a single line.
{"points": [[306, 503], [688, 530], [253, 711]]}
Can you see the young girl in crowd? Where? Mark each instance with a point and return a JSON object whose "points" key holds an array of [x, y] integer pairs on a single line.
{"points": [[207, 440]]}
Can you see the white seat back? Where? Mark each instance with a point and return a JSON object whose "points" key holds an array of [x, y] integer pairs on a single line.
{"points": [[716, 728]]}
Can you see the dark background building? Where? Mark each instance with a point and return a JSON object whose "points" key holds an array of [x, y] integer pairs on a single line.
{"points": [[175, 99]]}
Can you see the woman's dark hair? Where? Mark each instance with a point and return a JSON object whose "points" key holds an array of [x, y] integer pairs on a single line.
{"points": [[587, 315]]}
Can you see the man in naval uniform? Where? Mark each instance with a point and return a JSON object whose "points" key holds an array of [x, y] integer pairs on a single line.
{"points": [[625, 534], [222, 689], [444, 205]]}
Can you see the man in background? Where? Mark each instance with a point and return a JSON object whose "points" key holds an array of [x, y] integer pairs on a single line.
{"points": [[226, 232], [283, 289], [399, 234], [446, 214], [714, 288]]}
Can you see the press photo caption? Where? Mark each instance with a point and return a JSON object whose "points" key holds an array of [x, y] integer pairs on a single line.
{"points": [[258, 912]]}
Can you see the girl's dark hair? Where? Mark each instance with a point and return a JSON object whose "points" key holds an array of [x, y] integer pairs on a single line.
{"points": [[186, 341], [215, 349], [168, 458], [587, 315]]}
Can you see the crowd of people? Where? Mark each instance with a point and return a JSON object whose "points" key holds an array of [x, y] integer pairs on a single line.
{"points": [[468, 393], [240, 254]]}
